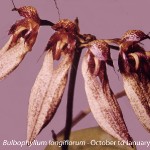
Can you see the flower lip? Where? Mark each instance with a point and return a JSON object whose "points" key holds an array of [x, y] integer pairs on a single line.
{"points": [[99, 49]]}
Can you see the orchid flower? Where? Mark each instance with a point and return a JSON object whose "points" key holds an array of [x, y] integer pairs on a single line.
{"points": [[102, 101], [23, 36], [134, 65], [50, 83]]}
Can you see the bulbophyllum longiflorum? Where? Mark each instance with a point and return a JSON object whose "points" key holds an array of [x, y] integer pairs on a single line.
{"points": [[48, 89], [103, 104], [50, 83], [23, 35], [134, 65]]}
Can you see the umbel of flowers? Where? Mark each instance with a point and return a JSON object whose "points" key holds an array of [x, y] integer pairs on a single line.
{"points": [[48, 89]]}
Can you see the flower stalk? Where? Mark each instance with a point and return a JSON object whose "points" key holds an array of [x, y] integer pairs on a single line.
{"points": [[70, 98]]}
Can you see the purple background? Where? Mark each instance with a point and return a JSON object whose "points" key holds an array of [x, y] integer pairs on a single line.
{"points": [[105, 19]]}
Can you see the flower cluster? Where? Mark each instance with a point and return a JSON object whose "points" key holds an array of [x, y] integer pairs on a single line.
{"points": [[48, 89]]}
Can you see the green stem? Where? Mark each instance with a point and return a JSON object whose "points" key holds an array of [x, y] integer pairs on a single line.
{"points": [[70, 99]]}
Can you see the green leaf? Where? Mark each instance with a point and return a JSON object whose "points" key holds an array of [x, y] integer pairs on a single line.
{"points": [[86, 138]]}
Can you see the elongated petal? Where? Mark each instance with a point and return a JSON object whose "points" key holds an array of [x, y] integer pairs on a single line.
{"points": [[45, 97], [11, 59], [136, 78], [103, 104], [38, 92], [139, 98]]}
